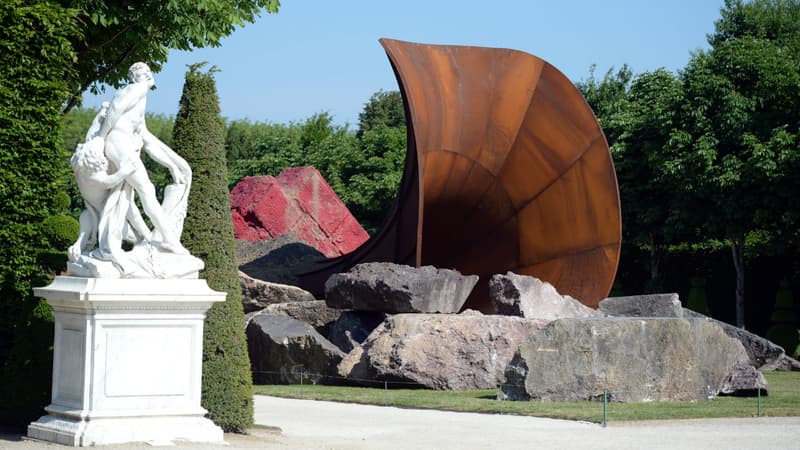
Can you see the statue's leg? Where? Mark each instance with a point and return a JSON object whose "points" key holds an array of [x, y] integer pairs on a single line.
{"points": [[86, 235], [121, 147], [137, 222], [147, 195]]}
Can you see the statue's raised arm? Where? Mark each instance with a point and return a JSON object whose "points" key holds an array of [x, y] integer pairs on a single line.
{"points": [[162, 154]]}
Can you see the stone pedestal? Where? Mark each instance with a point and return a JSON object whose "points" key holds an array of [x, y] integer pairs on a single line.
{"points": [[127, 361]]}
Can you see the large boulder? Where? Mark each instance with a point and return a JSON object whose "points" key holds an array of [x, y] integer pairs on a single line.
{"points": [[258, 294], [784, 363], [440, 351], [351, 328], [283, 349], [526, 296], [651, 305], [315, 313], [744, 381], [300, 201], [633, 359], [761, 352], [277, 260], [395, 288]]}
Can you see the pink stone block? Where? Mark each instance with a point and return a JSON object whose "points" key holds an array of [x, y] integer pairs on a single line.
{"points": [[297, 201]]}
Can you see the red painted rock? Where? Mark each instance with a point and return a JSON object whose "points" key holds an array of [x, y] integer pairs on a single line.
{"points": [[297, 201]]}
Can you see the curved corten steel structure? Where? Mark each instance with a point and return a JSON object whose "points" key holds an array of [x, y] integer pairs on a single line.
{"points": [[507, 170]]}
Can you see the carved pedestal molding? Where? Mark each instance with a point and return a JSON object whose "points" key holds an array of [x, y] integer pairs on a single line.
{"points": [[127, 361]]}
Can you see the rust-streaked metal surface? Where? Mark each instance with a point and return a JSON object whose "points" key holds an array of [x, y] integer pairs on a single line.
{"points": [[507, 170]]}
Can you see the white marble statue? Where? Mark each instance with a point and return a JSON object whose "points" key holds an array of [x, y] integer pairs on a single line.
{"points": [[110, 173]]}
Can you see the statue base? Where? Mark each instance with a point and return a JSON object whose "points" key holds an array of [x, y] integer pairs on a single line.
{"points": [[145, 260], [127, 361]]}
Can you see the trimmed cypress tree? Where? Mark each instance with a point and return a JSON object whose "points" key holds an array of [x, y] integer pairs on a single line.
{"points": [[208, 233]]}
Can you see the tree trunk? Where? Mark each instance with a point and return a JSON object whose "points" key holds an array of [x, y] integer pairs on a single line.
{"points": [[737, 248], [655, 259]]}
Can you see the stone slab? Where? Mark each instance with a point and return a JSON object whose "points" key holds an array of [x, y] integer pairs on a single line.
{"points": [[396, 288], [649, 305], [633, 359]]}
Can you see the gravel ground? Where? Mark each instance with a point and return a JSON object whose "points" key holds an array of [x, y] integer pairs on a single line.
{"points": [[305, 424]]}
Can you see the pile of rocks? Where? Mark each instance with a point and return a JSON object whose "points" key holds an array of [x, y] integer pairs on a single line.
{"points": [[383, 321]]}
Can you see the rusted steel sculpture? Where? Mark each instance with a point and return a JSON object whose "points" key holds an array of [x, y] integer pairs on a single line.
{"points": [[507, 170]]}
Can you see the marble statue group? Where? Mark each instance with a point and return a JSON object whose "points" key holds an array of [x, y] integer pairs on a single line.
{"points": [[110, 175]]}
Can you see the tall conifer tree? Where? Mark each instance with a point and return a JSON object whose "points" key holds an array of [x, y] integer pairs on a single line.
{"points": [[199, 137]]}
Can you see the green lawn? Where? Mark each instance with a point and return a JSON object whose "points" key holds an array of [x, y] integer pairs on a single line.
{"points": [[783, 400]]}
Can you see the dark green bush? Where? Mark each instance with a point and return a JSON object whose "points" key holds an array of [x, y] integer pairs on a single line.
{"points": [[62, 201], [35, 60], [60, 230], [208, 234]]}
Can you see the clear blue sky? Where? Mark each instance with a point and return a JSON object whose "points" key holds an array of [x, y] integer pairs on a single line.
{"points": [[320, 55]]}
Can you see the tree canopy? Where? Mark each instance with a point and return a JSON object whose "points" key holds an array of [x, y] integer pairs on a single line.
{"points": [[383, 109], [710, 156], [117, 34], [777, 21]]}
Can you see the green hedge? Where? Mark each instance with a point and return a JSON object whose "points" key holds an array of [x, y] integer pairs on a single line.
{"points": [[208, 233], [35, 60]]}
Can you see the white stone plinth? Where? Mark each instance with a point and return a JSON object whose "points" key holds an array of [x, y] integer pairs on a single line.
{"points": [[127, 361]]}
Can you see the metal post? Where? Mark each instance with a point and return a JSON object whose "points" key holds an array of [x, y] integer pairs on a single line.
{"points": [[301, 377], [605, 408], [758, 404]]}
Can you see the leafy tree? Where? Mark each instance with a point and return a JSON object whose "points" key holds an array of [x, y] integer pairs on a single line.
{"points": [[777, 21], [650, 209], [227, 391], [273, 148], [608, 99], [74, 126], [772, 20], [117, 34], [242, 137], [34, 52], [383, 109], [376, 174], [737, 153]]}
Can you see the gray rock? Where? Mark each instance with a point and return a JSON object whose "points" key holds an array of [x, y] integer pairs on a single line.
{"points": [[785, 364], [526, 296], [440, 351], [352, 328], [653, 305], [258, 294], [315, 313], [278, 260], [634, 359], [744, 381], [283, 349], [763, 353], [394, 288]]}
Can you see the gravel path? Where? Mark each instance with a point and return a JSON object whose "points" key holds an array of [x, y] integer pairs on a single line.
{"points": [[328, 425], [306, 424]]}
